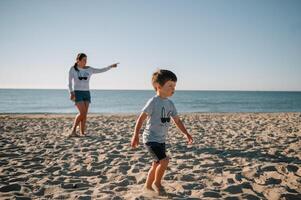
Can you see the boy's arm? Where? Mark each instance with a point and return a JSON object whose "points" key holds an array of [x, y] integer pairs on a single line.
{"points": [[181, 126], [139, 123]]}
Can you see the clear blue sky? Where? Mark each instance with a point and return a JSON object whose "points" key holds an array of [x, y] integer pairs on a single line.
{"points": [[210, 45]]}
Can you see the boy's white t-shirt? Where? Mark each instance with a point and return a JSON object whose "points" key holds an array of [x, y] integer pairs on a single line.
{"points": [[82, 85], [159, 110]]}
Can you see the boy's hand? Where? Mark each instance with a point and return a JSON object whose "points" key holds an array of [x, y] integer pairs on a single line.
{"points": [[189, 138], [135, 138], [135, 141]]}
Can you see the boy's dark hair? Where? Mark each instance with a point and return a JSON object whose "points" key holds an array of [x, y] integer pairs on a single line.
{"points": [[161, 76]]}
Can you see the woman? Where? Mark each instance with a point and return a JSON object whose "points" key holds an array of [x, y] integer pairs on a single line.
{"points": [[80, 74]]}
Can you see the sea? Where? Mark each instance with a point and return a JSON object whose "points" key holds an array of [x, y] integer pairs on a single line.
{"points": [[57, 101]]}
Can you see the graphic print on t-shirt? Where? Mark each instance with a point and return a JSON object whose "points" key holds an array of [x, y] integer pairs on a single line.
{"points": [[165, 118], [82, 75]]}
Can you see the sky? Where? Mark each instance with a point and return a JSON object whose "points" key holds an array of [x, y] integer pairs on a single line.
{"points": [[210, 45]]}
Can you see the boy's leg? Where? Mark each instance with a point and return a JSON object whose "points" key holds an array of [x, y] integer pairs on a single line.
{"points": [[151, 176], [160, 171]]}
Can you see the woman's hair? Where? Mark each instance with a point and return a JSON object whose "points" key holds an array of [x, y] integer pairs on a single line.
{"points": [[80, 56], [161, 76]]}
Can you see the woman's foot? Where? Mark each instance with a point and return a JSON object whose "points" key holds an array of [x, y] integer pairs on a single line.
{"points": [[82, 134], [148, 188], [149, 191], [159, 189], [72, 133]]}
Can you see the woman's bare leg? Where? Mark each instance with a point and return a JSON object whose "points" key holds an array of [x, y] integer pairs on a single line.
{"points": [[81, 108], [84, 119]]}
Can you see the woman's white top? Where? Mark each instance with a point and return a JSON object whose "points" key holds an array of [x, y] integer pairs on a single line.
{"points": [[81, 78]]}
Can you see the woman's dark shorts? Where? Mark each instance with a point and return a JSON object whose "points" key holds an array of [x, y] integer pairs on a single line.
{"points": [[157, 150], [82, 96]]}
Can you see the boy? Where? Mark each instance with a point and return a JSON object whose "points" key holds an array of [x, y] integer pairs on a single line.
{"points": [[158, 110]]}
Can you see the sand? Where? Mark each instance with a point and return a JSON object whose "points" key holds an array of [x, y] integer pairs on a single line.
{"points": [[234, 156]]}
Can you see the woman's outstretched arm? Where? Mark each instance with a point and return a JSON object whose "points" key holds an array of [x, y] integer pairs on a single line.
{"points": [[101, 70]]}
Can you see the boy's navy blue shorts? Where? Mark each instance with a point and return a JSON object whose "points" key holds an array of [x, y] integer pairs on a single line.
{"points": [[157, 150]]}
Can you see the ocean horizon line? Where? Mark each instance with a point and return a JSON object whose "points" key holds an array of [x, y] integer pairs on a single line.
{"points": [[184, 90], [131, 101]]}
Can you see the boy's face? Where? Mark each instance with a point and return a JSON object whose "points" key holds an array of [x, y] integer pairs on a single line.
{"points": [[168, 89]]}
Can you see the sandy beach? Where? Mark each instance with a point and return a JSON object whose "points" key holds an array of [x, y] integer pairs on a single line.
{"points": [[234, 156]]}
